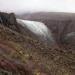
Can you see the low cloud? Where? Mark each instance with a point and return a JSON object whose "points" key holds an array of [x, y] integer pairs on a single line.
{"points": [[37, 5]]}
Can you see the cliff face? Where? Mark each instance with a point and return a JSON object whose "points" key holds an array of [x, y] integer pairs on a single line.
{"points": [[9, 20]]}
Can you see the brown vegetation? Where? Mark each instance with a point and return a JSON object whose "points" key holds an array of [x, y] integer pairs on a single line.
{"points": [[24, 55]]}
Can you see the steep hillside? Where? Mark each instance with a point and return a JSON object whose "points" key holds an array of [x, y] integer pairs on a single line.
{"points": [[18, 51], [22, 54]]}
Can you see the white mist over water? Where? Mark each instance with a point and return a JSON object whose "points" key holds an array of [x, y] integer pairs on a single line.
{"points": [[38, 28]]}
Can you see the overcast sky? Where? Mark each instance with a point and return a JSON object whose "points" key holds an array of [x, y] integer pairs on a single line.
{"points": [[37, 5]]}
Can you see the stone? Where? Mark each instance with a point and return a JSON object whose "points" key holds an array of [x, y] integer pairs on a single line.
{"points": [[9, 20]]}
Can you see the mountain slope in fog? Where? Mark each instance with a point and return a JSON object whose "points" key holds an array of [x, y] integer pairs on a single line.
{"points": [[47, 15]]}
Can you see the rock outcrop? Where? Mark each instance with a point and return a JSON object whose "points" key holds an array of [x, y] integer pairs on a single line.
{"points": [[9, 20]]}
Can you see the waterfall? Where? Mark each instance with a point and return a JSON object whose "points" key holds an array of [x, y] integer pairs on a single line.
{"points": [[38, 28]]}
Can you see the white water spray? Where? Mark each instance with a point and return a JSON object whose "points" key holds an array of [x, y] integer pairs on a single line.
{"points": [[38, 28]]}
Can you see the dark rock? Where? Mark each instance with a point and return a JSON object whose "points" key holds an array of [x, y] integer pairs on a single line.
{"points": [[9, 20]]}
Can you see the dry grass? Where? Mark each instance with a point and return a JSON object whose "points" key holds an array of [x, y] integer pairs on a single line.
{"points": [[23, 55]]}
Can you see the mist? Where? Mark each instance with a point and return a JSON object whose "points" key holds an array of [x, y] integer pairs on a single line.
{"points": [[20, 6]]}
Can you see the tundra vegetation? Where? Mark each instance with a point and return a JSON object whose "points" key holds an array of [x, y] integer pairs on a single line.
{"points": [[22, 54]]}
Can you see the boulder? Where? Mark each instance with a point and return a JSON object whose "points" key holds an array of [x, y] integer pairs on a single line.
{"points": [[9, 20]]}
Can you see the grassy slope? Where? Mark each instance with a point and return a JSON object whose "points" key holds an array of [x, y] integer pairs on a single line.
{"points": [[25, 55]]}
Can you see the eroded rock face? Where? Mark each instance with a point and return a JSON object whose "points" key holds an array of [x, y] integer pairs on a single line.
{"points": [[9, 20]]}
